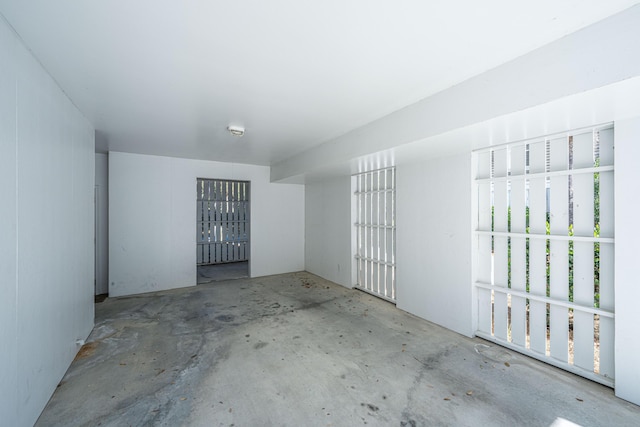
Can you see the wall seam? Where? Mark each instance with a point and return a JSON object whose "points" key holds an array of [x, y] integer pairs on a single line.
{"points": [[15, 141]]}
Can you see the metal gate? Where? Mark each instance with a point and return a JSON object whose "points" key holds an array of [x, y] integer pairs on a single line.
{"points": [[544, 246], [376, 233], [222, 223]]}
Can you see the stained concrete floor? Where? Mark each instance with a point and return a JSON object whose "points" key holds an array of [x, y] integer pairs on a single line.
{"points": [[218, 272], [296, 350]]}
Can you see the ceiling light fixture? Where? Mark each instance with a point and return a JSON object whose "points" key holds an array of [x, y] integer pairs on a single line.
{"points": [[235, 130]]}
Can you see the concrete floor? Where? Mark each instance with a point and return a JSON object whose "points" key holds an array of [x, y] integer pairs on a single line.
{"points": [[218, 272], [296, 350]]}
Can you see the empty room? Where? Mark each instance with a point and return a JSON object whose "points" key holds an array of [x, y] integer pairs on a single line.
{"points": [[251, 213]]}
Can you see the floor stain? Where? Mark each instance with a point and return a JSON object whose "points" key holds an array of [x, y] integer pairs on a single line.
{"points": [[371, 407], [86, 350]]}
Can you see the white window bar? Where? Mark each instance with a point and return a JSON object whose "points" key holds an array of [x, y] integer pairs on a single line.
{"points": [[376, 233]]}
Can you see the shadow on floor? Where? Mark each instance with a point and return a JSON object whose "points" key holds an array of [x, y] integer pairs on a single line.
{"points": [[217, 272]]}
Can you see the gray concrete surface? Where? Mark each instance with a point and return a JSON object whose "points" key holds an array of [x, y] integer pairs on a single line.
{"points": [[218, 272], [296, 350]]}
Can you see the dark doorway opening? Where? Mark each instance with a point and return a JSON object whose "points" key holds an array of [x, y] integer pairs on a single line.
{"points": [[222, 229]]}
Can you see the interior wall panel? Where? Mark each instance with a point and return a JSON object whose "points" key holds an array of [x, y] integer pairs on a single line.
{"points": [[432, 227], [627, 291], [46, 215], [8, 227], [328, 228], [152, 211]]}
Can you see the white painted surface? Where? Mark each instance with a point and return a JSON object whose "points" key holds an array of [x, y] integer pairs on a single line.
{"points": [[152, 214], [102, 224], [8, 227], [627, 289], [174, 74], [434, 241], [328, 230], [599, 55], [46, 220]]}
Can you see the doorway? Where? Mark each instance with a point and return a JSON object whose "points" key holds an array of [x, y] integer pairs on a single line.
{"points": [[101, 227], [222, 229]]}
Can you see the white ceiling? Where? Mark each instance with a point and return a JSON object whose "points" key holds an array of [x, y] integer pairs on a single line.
{"points": [[166, 77]]}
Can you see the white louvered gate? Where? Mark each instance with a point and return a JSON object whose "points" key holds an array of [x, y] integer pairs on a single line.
{"points": [[376, 233], [222, 223], [544, 246]]}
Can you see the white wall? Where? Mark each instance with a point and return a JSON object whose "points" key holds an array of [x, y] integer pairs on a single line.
{"points": [[8, 227], [328, 230], [152, 214], [102, 224], [627, 278], [433, 252], [599, 55], [434, 241], [46, 224]]}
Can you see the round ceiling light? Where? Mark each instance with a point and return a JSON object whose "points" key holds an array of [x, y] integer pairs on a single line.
{"points": [[235, 130]]}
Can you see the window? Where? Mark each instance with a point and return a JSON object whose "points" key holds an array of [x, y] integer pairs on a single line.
{"points": [[376, 232], [544, 242]]}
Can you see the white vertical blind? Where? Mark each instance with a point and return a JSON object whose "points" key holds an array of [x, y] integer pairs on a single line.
{"points": [[537, 252], [500, 248], [517, 203]]}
